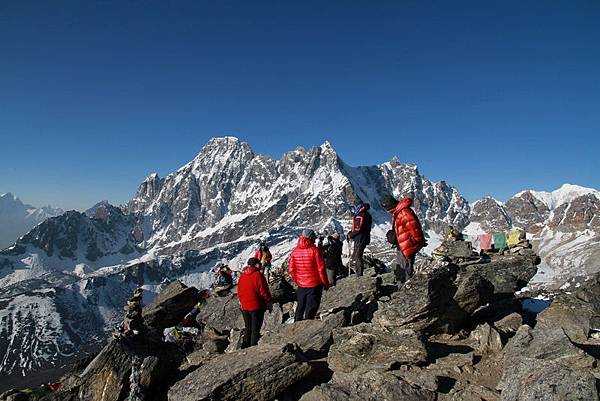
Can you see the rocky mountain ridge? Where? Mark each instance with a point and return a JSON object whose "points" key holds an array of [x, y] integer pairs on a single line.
{"points": [[453, 332], [218, 207]]}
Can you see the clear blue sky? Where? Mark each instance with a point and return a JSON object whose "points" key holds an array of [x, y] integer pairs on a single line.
{"points": [[492, 96]]}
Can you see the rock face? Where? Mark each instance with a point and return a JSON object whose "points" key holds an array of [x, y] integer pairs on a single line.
{"points": [[170, 305], [254, 374]]}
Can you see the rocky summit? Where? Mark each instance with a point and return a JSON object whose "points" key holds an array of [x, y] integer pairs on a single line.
{"points": [[63, 284], [455, 331]]}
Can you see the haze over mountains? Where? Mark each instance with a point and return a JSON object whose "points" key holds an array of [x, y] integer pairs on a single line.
{"points": [[63, 284], [17, 218]]}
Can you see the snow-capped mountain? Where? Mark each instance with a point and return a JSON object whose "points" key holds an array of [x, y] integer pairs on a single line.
{"points": [[17, 218], [227, 193], [64, 283]]}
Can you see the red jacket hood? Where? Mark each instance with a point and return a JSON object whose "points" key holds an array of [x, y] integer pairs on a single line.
{"points": [[403, 204], [304, 243], [249, 270]]}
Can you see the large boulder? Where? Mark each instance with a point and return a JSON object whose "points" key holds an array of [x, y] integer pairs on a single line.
{"points": [[222, 313], [441, 298], [282, 291], [170, 305], [586, 301], [507, 273], [252, 374], [368, 347], [106, 377], [368, 386], [544, 361], [354, 295], [314, 337], [421, 304]]}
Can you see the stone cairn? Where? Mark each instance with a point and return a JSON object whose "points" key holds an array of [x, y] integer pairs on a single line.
{"points": [[133, 323], [454, 248]]}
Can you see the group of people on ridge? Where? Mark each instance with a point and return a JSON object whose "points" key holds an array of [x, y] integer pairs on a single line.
{"points": [[314, 267]]}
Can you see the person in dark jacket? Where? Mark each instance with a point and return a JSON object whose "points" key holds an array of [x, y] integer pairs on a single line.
{"points": [[406, 233], [255, 298], [332, 253], [307, 269], [360, 234]]}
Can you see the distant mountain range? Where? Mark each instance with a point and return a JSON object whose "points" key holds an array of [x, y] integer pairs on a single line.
{"points": [[17, 218], [63, 284]]}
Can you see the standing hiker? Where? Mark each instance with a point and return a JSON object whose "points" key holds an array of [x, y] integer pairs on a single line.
{"points": [[307, 268], [254, 296], [360, 234], [406, 234], [264, 256], [333, 257]]}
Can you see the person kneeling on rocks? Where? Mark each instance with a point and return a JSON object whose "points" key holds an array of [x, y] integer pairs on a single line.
{"points": [[307, 269], [255, 298]]}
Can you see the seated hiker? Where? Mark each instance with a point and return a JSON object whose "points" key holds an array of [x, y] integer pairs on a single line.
{"points": [[307, 269], [263, 254], [255, 298], [332, 253], [224, 279]]}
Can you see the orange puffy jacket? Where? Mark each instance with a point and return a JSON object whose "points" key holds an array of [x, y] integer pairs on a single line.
{"points": [[307, 267], [408, 229]]}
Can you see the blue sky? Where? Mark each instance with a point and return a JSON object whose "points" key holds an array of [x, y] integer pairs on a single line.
{"points": [[493, 97]]}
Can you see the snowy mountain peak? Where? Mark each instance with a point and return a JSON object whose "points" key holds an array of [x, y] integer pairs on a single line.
{"points": [[565, 194]]}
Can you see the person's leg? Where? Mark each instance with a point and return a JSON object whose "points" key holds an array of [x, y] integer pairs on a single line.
{"points": [[410, 263], [301, 306], [313, 301], [257, 321], [330, 276], [359, 249], [400, 271], [247, 328]]}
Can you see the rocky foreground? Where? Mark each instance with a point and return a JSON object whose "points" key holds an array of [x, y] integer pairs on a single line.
{"points": [[453, 332]]}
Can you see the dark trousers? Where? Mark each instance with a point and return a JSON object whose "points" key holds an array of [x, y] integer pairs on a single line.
{"points": [[404, 267], [309, 300], [331, 274], [357, 256], [253, 320]]}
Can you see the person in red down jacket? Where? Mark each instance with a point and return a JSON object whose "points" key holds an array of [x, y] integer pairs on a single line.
{"points": [[307, 268], [406, 234], [255, 298]]}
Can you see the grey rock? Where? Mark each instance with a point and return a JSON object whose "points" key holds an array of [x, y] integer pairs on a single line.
{"points": [[368, 347], [487, 339], [170, 306], [368, 386], [547, 380], [509, 324], [222, 313], [282, 291], [351, 294], [252, 374], [314, 337]]}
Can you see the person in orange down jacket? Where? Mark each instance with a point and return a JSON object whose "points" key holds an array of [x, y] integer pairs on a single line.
{"points": [[406, 234], [307, 268], [263, 254], [255, 298]]}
